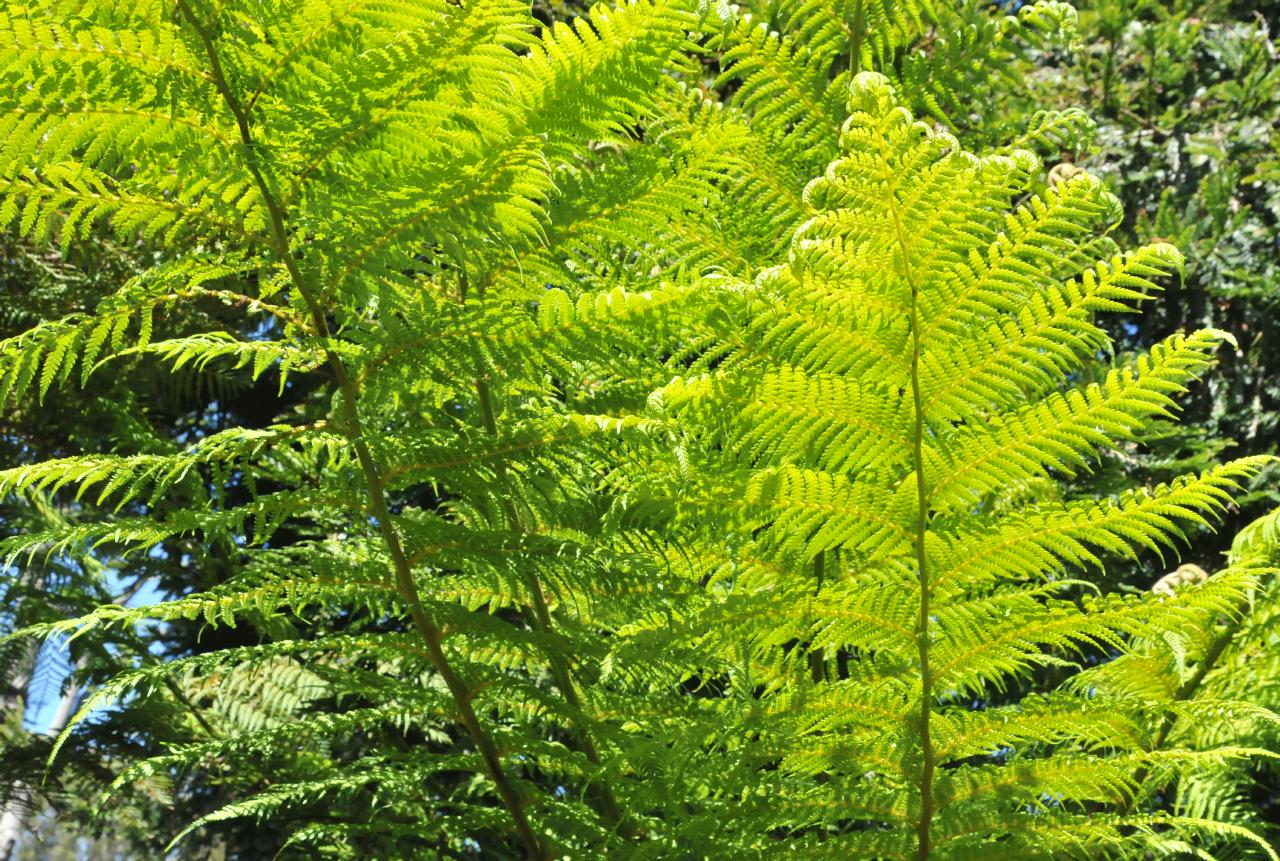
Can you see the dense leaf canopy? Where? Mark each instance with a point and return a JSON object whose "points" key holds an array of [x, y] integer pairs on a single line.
{"points": [[661, 430]]}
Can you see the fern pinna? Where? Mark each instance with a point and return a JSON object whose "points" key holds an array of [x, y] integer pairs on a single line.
{"points": [[366, 182], [870, 471]]}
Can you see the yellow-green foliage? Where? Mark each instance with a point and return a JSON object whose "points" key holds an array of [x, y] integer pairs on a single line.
{"points": [[540, 599], [869, 460]]}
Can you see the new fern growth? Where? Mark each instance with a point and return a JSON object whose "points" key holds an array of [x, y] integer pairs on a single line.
{"points": [[879, 437]]}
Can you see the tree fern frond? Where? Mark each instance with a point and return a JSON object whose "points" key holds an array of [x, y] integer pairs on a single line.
{"points": [[787, 92], [904, 598], [128, 478], [625, 495], [1031, 543], [1060, 430]]}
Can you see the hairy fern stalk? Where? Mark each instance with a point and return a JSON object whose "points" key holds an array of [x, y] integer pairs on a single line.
{"points": [[517, 593]]}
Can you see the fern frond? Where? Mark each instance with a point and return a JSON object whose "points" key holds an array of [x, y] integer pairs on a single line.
{"points": [[908, 365]]}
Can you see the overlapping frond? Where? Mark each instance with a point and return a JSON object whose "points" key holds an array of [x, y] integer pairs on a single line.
{"points": [[375, 197], [789, 62]]}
